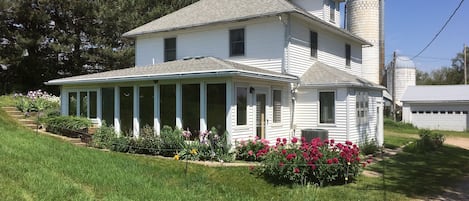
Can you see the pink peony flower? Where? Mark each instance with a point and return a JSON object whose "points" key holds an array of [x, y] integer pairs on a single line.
{"points": [[296, 170], [294, 140], [281, 164], [291, 156], [250, 152]]}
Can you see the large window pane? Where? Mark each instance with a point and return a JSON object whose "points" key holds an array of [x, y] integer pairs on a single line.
{"points": [[277, 102], [83, 104], [72, 103], [146, 106], [168, 105], [191, 107], [93, 105], [241, 105], [126, 109], [108, 105], [216, 107], [327, 107]]}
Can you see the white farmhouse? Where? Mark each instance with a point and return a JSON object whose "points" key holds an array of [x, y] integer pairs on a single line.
{"points": [[249, 67]]}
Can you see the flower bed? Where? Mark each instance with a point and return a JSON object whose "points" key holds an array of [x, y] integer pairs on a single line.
{"points": [[318, 162]]}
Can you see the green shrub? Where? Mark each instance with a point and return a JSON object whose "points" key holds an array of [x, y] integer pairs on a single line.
{"points": [[321, 163], [104, 136], [120, 144], [54, 124], [146, 143], [428, 142], [172, 141], [369, 147]]}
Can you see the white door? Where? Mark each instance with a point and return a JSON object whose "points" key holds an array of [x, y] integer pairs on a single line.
{"points": [[261, 97]]}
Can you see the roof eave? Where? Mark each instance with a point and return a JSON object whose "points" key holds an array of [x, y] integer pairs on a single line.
{"points": [[341, 84], [194, 75], [135, 35]]}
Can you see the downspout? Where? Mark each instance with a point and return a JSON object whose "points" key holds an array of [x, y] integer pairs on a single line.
{"points": [[285, 70]]}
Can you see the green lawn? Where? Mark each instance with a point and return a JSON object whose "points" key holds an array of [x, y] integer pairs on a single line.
{"points": [[38, 167]]}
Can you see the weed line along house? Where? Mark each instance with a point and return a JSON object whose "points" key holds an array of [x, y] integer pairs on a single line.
{"points": [[266, 68]]}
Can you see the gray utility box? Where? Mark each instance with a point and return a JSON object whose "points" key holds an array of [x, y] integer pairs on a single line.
{"points": [[310, 134]]}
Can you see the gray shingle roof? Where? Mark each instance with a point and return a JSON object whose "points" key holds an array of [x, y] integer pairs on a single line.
{"points": [[202, 67], [320, 74], [436, 93], [206, 12]]}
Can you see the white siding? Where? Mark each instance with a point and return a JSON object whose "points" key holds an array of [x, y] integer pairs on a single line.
{"points": [[437, 116], [345, 127], [307, 113], [331, 50], [264, 44], [313, 7], [147, 51], [273, 130]]}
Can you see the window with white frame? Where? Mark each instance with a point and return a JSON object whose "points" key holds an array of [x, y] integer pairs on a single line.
{"points": [[327, 107], [241, 105], [277, 106], [83, 104], [362, 106]]}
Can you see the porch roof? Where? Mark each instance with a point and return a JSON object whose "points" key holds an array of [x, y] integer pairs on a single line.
{"points": [[196, 67], [322, 75]]}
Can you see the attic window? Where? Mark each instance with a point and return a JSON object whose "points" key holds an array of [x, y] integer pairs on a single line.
{"points": [[237, 42], [169, 49]]}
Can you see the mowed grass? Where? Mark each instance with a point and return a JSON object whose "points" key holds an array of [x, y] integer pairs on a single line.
{"points": [[38, 167]]}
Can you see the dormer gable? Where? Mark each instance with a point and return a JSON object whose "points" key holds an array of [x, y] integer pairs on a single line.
{"points": [[327, 10]]}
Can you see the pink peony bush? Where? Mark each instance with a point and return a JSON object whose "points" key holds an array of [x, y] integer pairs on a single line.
{"points": [[318, 162]]}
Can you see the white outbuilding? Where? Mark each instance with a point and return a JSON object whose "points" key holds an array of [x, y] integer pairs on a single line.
{"points": [[437, 107]]}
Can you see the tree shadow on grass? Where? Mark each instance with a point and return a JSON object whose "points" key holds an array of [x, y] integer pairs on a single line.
{"points": [[426, 174]]}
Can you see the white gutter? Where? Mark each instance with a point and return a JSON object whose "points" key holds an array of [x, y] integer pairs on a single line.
{"points": [[169, 76]]}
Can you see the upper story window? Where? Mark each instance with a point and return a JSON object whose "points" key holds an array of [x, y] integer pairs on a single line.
{"points": [[237, 42], [277, 106], [348, 54], [169, 49], [314, 44], [332, 8], [326, 107]]}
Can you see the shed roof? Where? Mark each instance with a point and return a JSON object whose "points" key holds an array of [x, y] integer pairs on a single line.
{"points": [[198, 67], [206, 12], [436, 93], [320, 74]]}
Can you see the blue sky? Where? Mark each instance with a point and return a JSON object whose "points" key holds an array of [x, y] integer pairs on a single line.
{"points": [[411, 24]]}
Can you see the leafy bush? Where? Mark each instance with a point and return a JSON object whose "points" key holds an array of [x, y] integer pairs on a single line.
{"points": [[246, 150], [55, 124], [428, 142], [317, 162], [120, 144], [147, 143], [369, 147], [172, 141], [104, 136]]}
